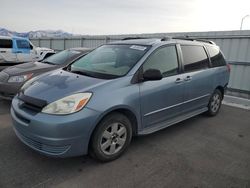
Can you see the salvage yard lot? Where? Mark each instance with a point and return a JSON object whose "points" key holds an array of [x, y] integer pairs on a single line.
{"points": [[199, 152]]}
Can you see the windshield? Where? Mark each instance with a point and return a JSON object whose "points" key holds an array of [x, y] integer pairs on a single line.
{"points": [[62, 57], [109, 61]]}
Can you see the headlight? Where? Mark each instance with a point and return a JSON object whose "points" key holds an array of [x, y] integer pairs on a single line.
{"points": [[68, 105], [21, 78], [29, 82]]}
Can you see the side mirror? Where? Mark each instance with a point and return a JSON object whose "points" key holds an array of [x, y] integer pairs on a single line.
{"points": [[152, 74]]}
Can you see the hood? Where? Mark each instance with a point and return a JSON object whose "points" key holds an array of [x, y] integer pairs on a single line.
{"points": [[59, 83], [34, 67]]}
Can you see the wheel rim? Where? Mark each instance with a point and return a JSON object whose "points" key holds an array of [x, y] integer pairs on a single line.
{"points": [[215, 103], [113, 138]]}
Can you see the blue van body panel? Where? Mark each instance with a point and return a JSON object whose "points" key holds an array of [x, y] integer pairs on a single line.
{"points": [[15, 48], [154, 104]]}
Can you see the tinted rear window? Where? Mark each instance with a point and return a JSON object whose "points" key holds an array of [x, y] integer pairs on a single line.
{"points": [[5, 43], [216, 56], [194, 57]]}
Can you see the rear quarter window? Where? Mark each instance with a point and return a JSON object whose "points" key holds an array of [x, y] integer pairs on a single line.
{"points": [[5, 43], [216, 56], [194, 58]]}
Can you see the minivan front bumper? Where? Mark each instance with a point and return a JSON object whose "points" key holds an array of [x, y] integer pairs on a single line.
{"points": [[54, 135]]}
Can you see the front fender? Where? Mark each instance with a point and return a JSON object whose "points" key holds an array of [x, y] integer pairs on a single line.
{"points": [[119, 108]]}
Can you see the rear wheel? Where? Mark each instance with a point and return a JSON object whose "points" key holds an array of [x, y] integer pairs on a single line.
{"points": [[215, 103], [111, 137]]}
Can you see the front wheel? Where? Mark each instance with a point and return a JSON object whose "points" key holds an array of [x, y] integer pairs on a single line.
{"points": [[215, 103], [111, 137]]}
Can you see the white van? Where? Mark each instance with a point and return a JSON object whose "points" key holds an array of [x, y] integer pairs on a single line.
{"points": [[19, 50]]}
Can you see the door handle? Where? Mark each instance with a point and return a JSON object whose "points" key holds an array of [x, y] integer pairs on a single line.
{"points": [[188, 78], [3, 51], [178, 80]]}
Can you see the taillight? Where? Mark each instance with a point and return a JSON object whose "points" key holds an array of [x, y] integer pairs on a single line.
{"points": [[228, 67]]}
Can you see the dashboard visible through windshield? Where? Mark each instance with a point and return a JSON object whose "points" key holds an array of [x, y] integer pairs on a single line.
{"points": [[110, 61]]}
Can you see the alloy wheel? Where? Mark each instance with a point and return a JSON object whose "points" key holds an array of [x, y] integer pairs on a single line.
{"points": [[113, 138], [215, 103]]}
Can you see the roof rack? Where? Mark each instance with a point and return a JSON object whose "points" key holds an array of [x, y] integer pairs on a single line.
{"points": [[133, 38], [194, 39]]}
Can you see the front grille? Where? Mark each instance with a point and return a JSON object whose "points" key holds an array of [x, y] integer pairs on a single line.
{"points": [[31, 103], [53, 150], [3, 77], [31, 107]]}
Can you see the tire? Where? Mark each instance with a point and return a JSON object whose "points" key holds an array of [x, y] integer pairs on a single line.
{"points": [[214, 103], [111, 137]]}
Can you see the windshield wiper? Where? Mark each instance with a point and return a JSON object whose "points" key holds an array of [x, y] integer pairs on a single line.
{"points": [[82, 73], [92, 74]]}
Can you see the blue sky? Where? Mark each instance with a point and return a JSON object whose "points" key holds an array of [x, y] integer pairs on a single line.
{"points": [[124, 16]]}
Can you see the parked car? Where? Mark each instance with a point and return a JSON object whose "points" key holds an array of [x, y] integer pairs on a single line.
{"points": [[15, 50], [119, 90], [12, 78]]}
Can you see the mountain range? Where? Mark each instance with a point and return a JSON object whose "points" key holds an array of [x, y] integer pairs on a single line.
{"points": [[36, 34]]}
